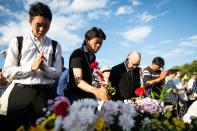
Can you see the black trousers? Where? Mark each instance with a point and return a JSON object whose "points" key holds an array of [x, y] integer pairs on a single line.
{"points": [[25, 104]]}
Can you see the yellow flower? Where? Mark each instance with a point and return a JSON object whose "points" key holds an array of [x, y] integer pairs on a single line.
{"points": [[21, 128], [42, 126], [100, 125]]}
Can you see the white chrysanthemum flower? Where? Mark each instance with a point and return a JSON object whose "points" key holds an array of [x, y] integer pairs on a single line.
{"points": [[58, 123], [82, 115]]}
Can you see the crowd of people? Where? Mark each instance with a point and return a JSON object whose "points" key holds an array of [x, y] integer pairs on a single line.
{"points": [[34, 72]]}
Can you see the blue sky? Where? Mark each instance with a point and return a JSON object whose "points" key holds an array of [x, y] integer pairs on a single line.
{"points": [[166, 28]]}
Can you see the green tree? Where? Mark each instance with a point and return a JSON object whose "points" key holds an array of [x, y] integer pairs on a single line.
{"points": [[187, 68]]}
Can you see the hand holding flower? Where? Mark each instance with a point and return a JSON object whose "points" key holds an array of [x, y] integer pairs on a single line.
{"points": [[101, 93]]}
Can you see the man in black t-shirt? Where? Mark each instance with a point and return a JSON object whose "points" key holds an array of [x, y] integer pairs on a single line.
{"points": [[153, 76], [80, 73]]}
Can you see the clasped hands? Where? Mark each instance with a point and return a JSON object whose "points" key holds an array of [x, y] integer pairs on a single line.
{"points": [[38, 62]]}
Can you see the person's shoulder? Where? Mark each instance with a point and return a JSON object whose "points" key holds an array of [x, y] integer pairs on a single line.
{"points": [[117, 66], [147, 69], [77, 51]]}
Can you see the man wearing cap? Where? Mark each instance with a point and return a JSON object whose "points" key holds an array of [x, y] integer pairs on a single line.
{"points": [[153, 75], [125, 77]]}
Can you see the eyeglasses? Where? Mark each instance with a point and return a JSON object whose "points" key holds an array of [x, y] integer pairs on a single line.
{"points": [[134, 65]]}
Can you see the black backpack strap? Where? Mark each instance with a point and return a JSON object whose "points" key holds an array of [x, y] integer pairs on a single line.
{"points": [[20, 45], [54, 44]]}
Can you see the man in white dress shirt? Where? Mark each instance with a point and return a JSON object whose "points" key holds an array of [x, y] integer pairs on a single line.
{"points": [[34, 74]]}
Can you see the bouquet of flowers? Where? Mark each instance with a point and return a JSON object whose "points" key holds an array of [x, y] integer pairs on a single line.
{"points": [[98, 79]]}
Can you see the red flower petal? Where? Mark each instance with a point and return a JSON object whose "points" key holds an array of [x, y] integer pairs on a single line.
{"points": [[140, 91], [61, 108], [93, 64]]}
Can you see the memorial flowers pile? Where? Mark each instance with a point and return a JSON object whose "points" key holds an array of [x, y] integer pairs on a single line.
{"points": [[84, 116], [143, 113], [55, 112]]}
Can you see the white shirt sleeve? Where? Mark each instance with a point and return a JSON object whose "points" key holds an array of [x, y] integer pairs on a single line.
{"points": [[10, 67]]}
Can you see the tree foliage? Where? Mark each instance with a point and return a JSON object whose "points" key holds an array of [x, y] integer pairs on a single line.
{"points": [[188, 68]]}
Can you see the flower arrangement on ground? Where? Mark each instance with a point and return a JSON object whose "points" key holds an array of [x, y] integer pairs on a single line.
{"points": [[84, 116], [56, 110], [118, 115]]}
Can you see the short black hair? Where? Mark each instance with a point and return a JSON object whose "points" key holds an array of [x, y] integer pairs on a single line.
{"points": [[40, 9], [173, 71], [158, 61], [94, 32]]}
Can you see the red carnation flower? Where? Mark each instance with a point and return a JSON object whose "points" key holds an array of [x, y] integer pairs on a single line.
{"points": [[140, 91], [93, 64], [61, 108]]}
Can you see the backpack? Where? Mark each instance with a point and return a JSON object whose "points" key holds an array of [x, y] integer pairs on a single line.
{"points": [[194, 87], [20, 45]]}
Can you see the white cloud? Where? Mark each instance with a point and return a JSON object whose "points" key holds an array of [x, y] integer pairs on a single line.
{"points": [[62, 30], [145, 17], [193, 38], [161, 3], [99, 14], [12, 30], [166, 42], [189, 42], [72, 6], [138, 34], [68, 16], [185, 46], [124, 10], [2, 7], [178, 52], [135, 2], [86, 5]]}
